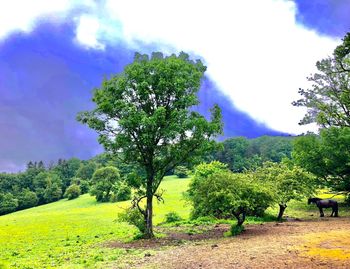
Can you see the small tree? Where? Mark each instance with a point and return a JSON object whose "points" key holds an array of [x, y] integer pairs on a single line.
{"points": [[181, 171], [72, 192], [225, 194], [289, 181], [103, 182], [146, 113]]}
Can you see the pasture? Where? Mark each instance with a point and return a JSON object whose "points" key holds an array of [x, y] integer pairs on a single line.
{"points": [[76, 233]]}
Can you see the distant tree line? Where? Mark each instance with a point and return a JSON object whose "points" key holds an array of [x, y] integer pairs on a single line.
{"points": [[108, 179], [40, 184], [241, 154]]}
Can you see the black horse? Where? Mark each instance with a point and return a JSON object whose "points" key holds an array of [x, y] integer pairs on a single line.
{"points": [[320, 203]]}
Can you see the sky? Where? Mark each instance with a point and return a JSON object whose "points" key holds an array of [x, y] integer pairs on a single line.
{"points": [[53, 54]]}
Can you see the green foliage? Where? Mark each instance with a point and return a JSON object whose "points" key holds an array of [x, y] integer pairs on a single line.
{"points": [[122, 192], [181, 171], [72, 192], [145, 112], [78, 228], [288, 181], [133, 217], [8, 203], [66, 170], [236, 230], [53, 192], [328, 101], [84, 185], [48, 187], [86, 170], [241, 154], [172, 217], [203, 171], [327, 156], [224, 194], [103, 182], [27, 199]]}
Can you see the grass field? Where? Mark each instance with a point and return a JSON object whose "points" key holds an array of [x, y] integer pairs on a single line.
{"points": [[70, 234]]}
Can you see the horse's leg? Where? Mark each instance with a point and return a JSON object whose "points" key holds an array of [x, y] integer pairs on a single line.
{"points": [[321, 212]]}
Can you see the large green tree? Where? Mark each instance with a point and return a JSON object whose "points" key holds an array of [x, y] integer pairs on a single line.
{"points": [[328, 100], [327, 156], [146, 113]]}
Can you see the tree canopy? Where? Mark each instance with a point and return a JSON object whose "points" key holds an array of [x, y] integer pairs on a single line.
{"points": [[290, 182], [146, 113], [327, 156], [216, 191], [328, 100]]}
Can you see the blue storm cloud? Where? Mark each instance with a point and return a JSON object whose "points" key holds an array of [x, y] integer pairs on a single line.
{"points": [[329, 17], [46, 78]]}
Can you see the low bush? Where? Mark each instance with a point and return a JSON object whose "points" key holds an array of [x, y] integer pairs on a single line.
{"points": [[72, 192], [172, 217], [133, 217], [236, 230]]}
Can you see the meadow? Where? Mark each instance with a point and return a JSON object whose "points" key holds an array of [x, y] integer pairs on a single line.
{"points": [[73, 234], [70, 234]]}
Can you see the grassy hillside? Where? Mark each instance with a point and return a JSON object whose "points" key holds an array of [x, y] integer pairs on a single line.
{"points": [[68, 234]]}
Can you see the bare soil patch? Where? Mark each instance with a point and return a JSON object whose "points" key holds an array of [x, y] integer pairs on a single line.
{"points": [[295, 244], [175, 237]]}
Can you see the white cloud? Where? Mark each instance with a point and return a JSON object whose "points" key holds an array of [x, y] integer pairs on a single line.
{"points": [[254, 49], [19, 15], [87, 31]]}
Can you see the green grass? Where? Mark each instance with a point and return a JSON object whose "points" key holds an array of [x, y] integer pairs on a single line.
{"points": [[70, 234], [301, 210]]}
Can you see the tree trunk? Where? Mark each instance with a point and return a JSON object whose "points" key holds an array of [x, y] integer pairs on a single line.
{"points": [[149, 210], [240, 219], [149, 216], [280, 213]]}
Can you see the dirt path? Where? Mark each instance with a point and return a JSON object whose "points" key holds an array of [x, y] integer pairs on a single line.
{"points": [[321, 243]]}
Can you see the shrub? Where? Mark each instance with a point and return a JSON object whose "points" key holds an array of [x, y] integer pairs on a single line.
{"points": [[172, 217], [181, 171], [236, 230], [72, 192], [133, 217]]}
